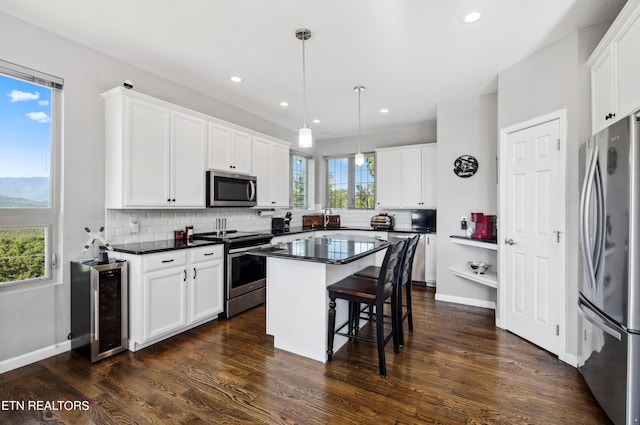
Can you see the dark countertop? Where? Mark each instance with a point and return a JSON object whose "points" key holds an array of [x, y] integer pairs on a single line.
{"points": [[295, 230], [140, 248], [334, 249], [494, 241]]}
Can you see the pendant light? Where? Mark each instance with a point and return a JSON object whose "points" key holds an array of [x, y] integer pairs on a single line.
{"points": [[305, 139], [359, 155]]}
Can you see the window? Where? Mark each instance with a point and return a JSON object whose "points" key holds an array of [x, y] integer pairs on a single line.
{"points": [[349, 185], [29, 139], [299, 180]]}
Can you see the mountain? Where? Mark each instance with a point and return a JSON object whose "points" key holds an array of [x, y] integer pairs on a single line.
{"points": [[24, 192]]}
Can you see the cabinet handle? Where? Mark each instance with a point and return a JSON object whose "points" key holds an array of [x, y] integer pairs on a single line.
{"points": [[173, 200], [194, 272], [207, 254], [185, 275], [168, 199], [167, 261], [96, 314]]}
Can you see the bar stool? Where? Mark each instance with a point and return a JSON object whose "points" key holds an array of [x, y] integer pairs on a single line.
{"points": [[361, 290], [373, 272]]}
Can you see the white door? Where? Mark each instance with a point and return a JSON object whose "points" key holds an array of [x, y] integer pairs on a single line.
{"points": [[207, 281], [534, 278]]}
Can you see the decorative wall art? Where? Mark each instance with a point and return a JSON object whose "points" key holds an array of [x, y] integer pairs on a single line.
{"points": [[465, 166]]}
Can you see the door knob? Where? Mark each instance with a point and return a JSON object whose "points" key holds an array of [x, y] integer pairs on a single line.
{"points": [[509, 241]]}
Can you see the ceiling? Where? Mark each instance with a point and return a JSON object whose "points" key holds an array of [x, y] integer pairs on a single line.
{"points": [[409, 54]]}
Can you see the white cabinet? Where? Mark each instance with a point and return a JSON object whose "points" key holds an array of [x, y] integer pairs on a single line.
{"points": [[229, 149], [406, 177], [271, 168], [628, 64], [172, 291], [615, 66], [164, 302], [388, 182], [154, 153]]}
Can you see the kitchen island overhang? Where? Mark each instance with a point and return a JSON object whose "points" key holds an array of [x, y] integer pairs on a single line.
{"points": [[298, 274]]}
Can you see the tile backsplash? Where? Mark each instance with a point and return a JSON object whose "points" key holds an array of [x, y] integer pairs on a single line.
{"points": [[155, 225]]}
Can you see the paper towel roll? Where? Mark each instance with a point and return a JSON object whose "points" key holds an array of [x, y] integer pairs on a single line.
{"points": [[266, 213]]}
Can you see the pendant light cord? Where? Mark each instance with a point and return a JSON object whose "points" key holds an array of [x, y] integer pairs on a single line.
{"points": [[359, 126], [304, 86]]}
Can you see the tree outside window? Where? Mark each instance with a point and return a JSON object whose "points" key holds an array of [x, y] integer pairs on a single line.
{"points": [[349, 185]]}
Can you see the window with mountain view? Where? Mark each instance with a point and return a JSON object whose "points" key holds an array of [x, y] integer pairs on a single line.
{"points": [[350, 185], [28, 146]]}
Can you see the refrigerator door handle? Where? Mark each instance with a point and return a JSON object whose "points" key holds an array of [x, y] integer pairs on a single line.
{"points": [[597, 320], [600, 221], [585, 201]]}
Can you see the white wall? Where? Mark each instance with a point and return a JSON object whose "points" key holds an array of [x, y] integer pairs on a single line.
{"points": [[34, 323], [555, 78], [465, 127]]}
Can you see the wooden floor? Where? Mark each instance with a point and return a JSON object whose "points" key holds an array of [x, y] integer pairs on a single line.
{"points": [[456, 368]]}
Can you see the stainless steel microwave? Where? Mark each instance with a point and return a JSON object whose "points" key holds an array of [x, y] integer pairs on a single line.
{"points": [[230, 190]]}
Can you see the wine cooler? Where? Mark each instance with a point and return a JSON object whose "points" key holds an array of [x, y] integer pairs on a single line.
{"points": [[99, 308]]}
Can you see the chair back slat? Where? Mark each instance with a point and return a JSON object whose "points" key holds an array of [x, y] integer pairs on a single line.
{"points": [[389, 272], [407, 260]]}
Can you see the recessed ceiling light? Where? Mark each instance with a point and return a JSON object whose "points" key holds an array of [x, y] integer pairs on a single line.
{"points": [[472, 17], [384, 110], [316, 121], [236, 79], [283, 104]]}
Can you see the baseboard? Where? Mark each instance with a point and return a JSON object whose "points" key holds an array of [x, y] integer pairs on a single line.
{"points": [[570, 359], [34, 356], [466, 301]]}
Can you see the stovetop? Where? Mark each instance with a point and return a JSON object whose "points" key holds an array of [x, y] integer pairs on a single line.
{"points": [[233, 237]]}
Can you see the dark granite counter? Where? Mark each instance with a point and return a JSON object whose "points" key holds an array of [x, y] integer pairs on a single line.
{"points": [[334, 249], [296, 230], [140, 248]]}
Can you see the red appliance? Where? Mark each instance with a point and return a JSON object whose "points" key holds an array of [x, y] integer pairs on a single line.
{"points": [[485, 226]]}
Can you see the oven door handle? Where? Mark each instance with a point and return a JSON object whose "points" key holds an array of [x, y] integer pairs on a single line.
{"points": [[241, 251]]}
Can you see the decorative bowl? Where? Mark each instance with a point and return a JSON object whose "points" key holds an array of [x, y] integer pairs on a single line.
{"points": [[479, 267]]}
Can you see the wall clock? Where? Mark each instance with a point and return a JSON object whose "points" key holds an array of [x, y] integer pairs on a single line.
{"points": [[465, 166]]}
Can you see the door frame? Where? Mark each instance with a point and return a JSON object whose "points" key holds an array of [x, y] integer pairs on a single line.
{"points": [[501, 320]]}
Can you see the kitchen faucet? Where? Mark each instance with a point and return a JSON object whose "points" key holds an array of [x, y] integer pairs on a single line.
{"points": [[326, 217]]}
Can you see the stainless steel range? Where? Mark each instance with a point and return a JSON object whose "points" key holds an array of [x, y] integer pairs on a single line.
{"points": [[245, 275]]}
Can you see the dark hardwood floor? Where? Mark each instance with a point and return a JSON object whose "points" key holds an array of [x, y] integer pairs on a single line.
{"points": [[456, 368]]}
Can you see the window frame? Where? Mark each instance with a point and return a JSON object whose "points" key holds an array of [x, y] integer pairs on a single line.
{"points": [[351, 171], [307, 190], [49, 217]]}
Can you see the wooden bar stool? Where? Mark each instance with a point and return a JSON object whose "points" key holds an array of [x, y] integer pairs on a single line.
{"points": [[404, 310], [361, 290]]}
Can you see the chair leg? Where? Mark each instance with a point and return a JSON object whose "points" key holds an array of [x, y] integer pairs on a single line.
{"points": [[399, 315], [380, 342], [356, 318], [350, 320], [409, 308], [396, 320], [331, 327]]}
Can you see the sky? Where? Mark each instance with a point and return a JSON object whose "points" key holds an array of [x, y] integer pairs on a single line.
{"points": [[25, 128]]}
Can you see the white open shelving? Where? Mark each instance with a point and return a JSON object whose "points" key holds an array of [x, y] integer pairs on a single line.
{"points": [[488, 278]]}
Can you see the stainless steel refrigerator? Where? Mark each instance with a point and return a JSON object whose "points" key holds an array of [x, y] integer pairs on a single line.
{"points": [[609, 298]]}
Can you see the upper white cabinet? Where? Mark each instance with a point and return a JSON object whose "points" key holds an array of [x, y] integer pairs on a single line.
{"points": [[229, 149], [271, 168], [615, 66], [154, 153], [406, 177]]}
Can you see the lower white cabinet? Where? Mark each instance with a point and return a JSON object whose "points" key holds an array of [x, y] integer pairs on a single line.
{"points": [[172, 291]]}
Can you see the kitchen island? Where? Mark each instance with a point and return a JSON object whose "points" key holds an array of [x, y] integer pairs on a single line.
{"points": [[298, 274]]}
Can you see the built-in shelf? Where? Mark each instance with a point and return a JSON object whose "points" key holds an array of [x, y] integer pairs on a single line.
{"points": [[488, 278], [474, 242]]}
